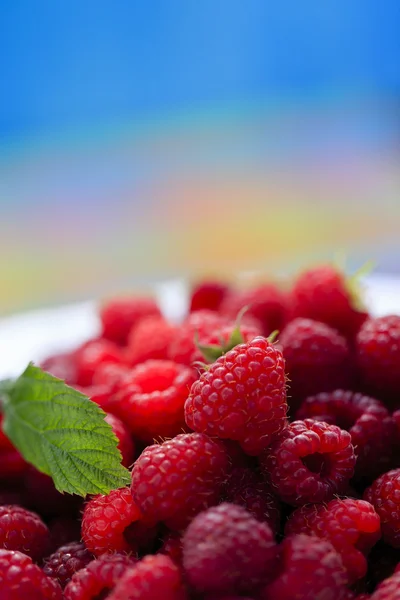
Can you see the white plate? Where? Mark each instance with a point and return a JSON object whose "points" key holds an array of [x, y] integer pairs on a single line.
{"points": [[37, 334]]}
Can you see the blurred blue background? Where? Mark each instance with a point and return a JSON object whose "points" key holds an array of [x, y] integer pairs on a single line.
{"points": [[127, 127]]}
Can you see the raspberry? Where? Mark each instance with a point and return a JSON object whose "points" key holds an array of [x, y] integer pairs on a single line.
{"points": [[378, 356], [368, 421], [242, 396], [389, 589], [97, 580], [105, 520], [153, 577], [199, 325], [208, 294], [309, 568], [150, 339], [325, 294], [66, 561], [20, 579], [93, 354], [225, 549], [119, 315], [12, 464], [62, 366], [266, 303], [172, 546], [24, 531], [64, 530], [352, 527], [42, 495], [108, 377], [384, 495], [311, 461], [151, 401], [173, 481], [246, 488], [125, 443], [317, 359]]}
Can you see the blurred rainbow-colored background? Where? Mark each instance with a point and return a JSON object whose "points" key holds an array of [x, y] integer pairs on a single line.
{"points": [[139, 141]]}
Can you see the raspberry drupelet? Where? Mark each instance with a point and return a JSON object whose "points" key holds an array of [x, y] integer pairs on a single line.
{"points": [[310, 461], [66, 561], [23, 530], [175, 480], [225, 549], [151, 399], [242, 396], [368, 421], [384, 495], [20, 579]]}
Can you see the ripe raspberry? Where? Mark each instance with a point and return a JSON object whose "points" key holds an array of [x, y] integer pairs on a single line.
{"points": [[246, 488], [242, 396], [173, 481], [317, 359], [208, 295], [62, 366], [12, 464], [266, 303], [389, 589], [23, 530], [93, 354], [151, 401], [119, 315], [352, 527], [198, 326], [153, 577], [108, 376], [125, 443], [225, 549], [366, 419], [172, 547], [64, 530], [42, 496], [384, 495], [105, 520], [325, 294], [309, 568], [150, 339], [99, 578], [310, 461], [20, 579], [378, 356], [66, 561]]}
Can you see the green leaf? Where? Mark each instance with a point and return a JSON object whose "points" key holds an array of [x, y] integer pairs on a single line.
{"points": [[63, 434]]}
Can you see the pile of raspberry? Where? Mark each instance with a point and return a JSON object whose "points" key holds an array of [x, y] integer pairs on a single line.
{"points": [[262, 468]]}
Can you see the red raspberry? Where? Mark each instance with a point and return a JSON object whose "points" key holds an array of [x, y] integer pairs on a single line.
{"points": [[105, 521], [119, 315], [66, 561], [317, 359], [12, 464], [62, 366], [266, 303], [378, 356], [352, 527], [368, 421], [384, 495], [325, 294], [242, 396], [24, 531], [108, 376], [99, 578], [125, 443], [93, 354], [389, 589], [208, 294], [42, 495], [172, 546], [151, 401], [225, 549], [311, 461], [20, 579], [198, 326], [150, 339], [153, 577], [64, 530], [246, 488], [175, 480], [309, 568]]}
